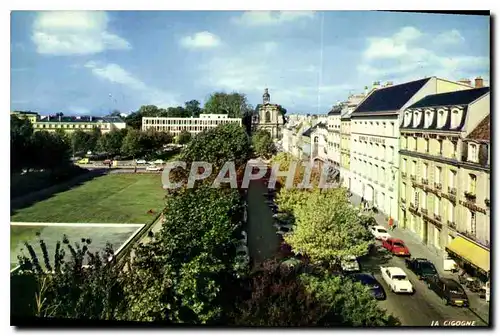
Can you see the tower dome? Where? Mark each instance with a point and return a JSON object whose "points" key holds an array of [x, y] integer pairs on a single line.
{"points": [[266, 97]]}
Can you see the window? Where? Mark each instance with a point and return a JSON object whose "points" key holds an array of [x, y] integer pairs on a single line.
{"points": [[472, 184], [455, 145], [382, 178], [451, 212], [414, 143], [403, 168], [415, 197], [424, 200], [403, 191], [472, 222], [404, 142], [451, 178], [437, 177], [391, 153], [440, 146], [414, 168], [393, 129], [472, 153], [426, 145], [424, 170], [437, 201]]}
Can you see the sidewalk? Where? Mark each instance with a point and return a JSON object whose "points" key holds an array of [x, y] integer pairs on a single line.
{"points": [[478, 305]]}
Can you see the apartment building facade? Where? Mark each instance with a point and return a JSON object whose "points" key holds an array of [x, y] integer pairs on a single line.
{"points": [[444, 170], [193, 125], [375, 139]]}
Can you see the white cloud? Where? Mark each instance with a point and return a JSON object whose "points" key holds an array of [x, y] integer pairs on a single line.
{"points": [[403, 55], [199, 40], [450, 37], [116, 74], [74, 33], [271, 18]]}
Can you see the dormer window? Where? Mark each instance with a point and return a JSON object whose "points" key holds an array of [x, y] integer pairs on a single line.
{"points": [[472, 152], [416, 118], [407, 119], [428, 118], [456, 116], [441, 118]]}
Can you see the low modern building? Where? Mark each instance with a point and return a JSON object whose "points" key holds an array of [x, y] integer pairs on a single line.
{"points": [[194, 126], [31, 116], [375, 139], [444, 170]]}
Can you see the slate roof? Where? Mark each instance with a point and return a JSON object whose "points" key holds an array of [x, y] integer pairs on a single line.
{"points": [[482, 130], [463, 97], [308, 132], [391, 98], [335, 110]]}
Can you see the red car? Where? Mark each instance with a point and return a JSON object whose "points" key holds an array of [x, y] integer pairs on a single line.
{"points": [[396, 247]]}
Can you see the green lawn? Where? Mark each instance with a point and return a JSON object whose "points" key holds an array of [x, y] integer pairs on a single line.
{"points": [[115, 235], [114, 198]]}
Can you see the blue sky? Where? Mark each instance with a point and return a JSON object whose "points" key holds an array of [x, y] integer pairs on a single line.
{"points": [[93, 62]]}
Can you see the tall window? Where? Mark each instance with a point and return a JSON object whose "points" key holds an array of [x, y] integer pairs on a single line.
{"points": [[437, 176], [451, 178], [424, 170], [403, 168], [414, 168], [440, 146], [424, 200], [268, 117], [472, 183], [404, 144], [391, 154], [473, 153], [437, 202], [472, 222], [393, 129], [454, 145], [414, 143], [426, 145], [451, 212], [403, 191], [383, 178]]}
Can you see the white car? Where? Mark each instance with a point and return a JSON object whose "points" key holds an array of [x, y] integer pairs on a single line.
{"points": [[396, 279], [350, 264], [380, 232], [140, 161], [159, 161], [153, 168]]}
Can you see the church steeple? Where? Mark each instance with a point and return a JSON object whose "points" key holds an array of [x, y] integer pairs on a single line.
{"points": [[266, 97]]}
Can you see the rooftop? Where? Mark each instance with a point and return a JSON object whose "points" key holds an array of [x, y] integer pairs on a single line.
{"points": [[79, 119], [390, 98], [463, 97], [482, 130]]}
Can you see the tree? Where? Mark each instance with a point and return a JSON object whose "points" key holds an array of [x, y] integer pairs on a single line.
{"points": [[132, 144], [352, 302], [184, 137], [93, 139], [112, 141], [263, 144], [21, 132], [319, 211], [193, 108], [80, 141], [276, 298], [234, 104], [59, 286]]}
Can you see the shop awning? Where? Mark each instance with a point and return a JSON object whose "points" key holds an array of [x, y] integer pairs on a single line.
{"points": [[471, 252]]}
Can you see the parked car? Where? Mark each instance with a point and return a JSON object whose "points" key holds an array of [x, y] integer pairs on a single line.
{"points": [[107, 162], [140, 161], [282, 229], [350, 264], [396, 279], [396, 247], [379, 232], [153, 168], [369, 281], [422, 267], [159, 161], [448, 290], [84, 161]]}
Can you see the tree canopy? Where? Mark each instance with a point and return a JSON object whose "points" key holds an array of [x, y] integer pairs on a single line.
{"points": [[263, 144], [184, 137], [235, 105]]}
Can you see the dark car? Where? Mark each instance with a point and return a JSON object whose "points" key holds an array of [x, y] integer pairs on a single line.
{"points": [[372, 283], [422, 267], [448, 290]]}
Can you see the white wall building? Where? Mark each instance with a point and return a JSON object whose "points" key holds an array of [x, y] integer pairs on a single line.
{"points": [[375, 139], [192, 125]]}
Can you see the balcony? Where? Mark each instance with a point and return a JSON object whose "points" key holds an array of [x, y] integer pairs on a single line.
{"points": [[403, 174], [424, 211], [470, 196], [403, 200], [438, 186], [413, 178], [452, 224], [437, 217], [452, 191], [487, 202], [424, 181], [413, 207], [472, 236]]}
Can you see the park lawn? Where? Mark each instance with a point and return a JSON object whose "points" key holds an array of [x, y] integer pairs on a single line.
{"points": [[115, 235], [113, 198]]}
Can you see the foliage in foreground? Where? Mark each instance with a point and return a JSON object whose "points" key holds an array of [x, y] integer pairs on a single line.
{"points": [[263, 144]]}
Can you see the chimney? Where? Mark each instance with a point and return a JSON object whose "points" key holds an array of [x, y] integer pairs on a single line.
{"points": [[465, 81], [376, 85], [478, 82]]}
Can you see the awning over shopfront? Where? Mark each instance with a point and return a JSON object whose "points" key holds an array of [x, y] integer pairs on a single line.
{"points": [[471, 252]]}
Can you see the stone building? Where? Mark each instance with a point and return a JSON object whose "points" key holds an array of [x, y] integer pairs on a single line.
{"points": [[269, 117]]}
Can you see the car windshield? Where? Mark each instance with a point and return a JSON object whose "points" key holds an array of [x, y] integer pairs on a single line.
{"points": [[398, 245], [382, 230], [399, 277], [428, 268], [456, 290]]}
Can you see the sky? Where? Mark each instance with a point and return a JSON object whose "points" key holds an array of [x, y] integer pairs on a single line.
{"points": [[93, 62]]}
